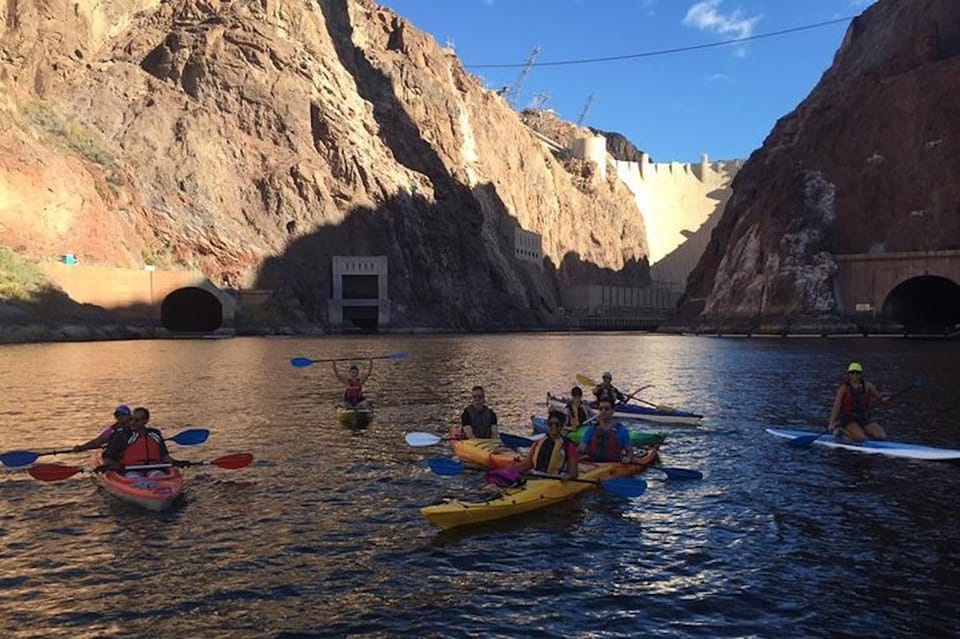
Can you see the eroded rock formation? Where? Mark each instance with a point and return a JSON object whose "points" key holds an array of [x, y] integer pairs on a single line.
{"points": [[866, 163], [256, 139]]}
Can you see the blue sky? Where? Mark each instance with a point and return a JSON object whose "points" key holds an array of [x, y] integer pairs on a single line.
{"points": [[722, 101]]}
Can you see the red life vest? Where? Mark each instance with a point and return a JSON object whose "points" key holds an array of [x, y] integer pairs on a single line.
{"points": [[141, 449], [354, 391], [855, 402], [604, 445]]}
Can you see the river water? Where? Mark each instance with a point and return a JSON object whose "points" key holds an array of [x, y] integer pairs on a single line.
{"points": [[322, 536]]}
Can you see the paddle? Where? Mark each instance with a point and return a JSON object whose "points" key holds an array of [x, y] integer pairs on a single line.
{"points": [[805, 441], [189, 437], [57, 472], [302, 362], [424, 439], [620, 486], [587, 381]]}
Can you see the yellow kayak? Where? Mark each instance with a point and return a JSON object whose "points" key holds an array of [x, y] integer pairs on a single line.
{"points": [[484, 453], [354, 418], [535, 494]]}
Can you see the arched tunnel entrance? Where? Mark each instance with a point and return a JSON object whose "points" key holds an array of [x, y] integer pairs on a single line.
{"points": [[191, 310], [928, 303]]}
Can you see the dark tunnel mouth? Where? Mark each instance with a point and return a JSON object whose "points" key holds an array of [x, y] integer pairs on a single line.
{"points": [[925, 302], [191, 310]]}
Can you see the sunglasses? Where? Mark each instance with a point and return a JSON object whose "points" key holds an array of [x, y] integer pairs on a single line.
{"points": [[478, 396], [605, 408], [553, 422]]}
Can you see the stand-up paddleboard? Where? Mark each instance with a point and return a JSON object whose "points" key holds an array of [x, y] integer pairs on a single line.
{"points": [[873, 446]]}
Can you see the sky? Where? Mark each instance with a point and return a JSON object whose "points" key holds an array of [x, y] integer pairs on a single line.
{"points": [[722, 101]]}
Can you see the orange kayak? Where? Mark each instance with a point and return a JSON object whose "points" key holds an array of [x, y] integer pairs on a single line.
{"points": [[485, 453], [153, 493]]}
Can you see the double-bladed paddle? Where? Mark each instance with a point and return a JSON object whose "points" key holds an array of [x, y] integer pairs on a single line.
{"points": [[516, 441], [418, 440], [189, 437], [587, 381], [620, 486], [57, 472], [805, 441], [303, 362]]}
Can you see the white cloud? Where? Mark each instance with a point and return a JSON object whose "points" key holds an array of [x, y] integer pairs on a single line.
{"points": [[719, 77], [705, 15]]}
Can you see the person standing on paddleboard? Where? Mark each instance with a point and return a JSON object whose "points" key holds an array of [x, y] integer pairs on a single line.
{"points": [[851, 417]]}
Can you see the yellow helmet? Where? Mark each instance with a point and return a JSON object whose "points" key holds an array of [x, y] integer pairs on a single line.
{"points": [[854, 367]]}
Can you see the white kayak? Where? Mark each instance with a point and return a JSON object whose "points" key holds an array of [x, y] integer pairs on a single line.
{"points": [[873, 446]]}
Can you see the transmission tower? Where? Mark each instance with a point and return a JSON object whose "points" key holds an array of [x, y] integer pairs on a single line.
{"points": [[586, 109], [540, 101], [514, 92]]}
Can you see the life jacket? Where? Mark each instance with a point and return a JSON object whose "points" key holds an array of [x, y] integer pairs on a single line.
{"points": [[604, 445], [549, 455], [855, 402], [481, 422], [142, 449], [577, 417], [605, 392], [353, 393]]}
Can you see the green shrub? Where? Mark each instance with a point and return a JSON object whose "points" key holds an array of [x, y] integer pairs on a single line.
{"points": [[20, 279]]}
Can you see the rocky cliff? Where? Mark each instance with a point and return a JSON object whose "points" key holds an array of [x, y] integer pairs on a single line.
{"points": [[866, 163], [255, 139]]}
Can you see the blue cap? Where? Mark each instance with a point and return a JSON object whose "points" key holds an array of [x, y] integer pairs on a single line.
{"points": [[122, 409]]}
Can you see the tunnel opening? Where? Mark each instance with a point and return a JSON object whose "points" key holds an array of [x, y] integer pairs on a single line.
{"points": [[924, 304], [362, 319], [191, 310]]}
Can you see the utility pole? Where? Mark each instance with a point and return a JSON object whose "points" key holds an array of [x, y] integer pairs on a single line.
{"points": [[514, 91], [586, 108]]}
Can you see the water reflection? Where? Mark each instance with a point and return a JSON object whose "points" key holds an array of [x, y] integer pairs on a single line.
{"points": [[322, 534]]}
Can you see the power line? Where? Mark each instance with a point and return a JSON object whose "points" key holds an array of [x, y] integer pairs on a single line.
{"points": [[649, 54]]}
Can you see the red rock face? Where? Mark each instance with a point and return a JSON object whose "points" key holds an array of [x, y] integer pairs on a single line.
{"points": [[257, 140], [866, 163]]}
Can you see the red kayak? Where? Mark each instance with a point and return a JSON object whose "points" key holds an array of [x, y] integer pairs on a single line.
{"points": [[153, 493]]}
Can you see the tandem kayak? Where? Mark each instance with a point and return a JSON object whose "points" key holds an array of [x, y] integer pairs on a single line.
{"points": [[484, 453], [637, 438], [873, 446], [536, 493], [660, 414], [354, 418], [153, 493]]}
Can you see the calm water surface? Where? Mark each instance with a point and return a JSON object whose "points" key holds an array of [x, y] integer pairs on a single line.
{"points": [[322, 535]]}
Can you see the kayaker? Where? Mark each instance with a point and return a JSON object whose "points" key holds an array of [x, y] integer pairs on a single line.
{"points": [[353, 393], [606, 441], [606, 390], [576, 414], [121, 418], [553, 454], [478, 420], [851, 417], [137, 445]]}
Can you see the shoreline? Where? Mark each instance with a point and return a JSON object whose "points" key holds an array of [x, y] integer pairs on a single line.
{"points": [[51, 331]]}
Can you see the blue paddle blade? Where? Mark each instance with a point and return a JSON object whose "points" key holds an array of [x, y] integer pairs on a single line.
{"points": [[515, 441], [191, 436], [301, 362], [18, 458], [805, 441], [680, 473], [625, 487], [443, 466]]}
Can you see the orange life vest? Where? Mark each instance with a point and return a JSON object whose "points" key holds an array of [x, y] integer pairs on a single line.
{"points": [[142, 449]]}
